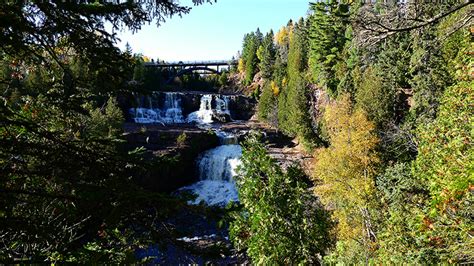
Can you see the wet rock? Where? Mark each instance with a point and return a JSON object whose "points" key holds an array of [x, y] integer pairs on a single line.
{"points": [[221, 117], [242, 107], [170, 154]]}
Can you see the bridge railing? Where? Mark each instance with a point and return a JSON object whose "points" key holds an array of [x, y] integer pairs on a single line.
{"points": [[208, 62]]}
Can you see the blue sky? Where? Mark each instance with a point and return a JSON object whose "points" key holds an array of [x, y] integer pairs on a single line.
{"points": [[212, 32]]}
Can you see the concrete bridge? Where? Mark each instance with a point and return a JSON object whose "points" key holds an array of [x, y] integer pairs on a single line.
{"points": [[184, 67], [203, 67]]}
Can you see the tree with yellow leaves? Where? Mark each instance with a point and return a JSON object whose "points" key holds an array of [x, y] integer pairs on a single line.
{"points": [[347, 169]]}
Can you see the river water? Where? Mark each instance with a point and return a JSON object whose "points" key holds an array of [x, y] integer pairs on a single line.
{"points": [[216, 186]]}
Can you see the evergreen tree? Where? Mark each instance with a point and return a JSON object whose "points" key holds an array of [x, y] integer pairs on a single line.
{"points": [[293, 103], [250, 60], [430, 76], [128, 50], [327, 32], [64, 176], [266, 55]]}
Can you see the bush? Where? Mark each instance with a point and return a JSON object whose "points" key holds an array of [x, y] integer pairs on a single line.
{"points": [[282, 221], [181, 140]]}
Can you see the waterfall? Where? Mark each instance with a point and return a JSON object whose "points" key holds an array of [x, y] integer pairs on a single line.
{"points": [[226, 138], [212, 108], [222, 104], [144, 115], [170, 113], [219, 164], [206, 114], [217, 167]]}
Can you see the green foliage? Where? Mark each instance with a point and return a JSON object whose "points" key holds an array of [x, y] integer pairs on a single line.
{"points": [[267, 104], [64, 172], [106, 122], [266, 54], [181, 139], [327, 32], [399, 239], [293, 116], [223, 79], [403, 151], [281, 221], [428, 202], [376, 99], [249, 58], [430, 76], [446, 162], [139, 68]]}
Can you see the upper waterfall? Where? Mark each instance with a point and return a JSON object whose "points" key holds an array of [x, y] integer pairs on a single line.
{"points": [[173, 113], [149, 110], [204, 114], [169, 109], [207, 114]]}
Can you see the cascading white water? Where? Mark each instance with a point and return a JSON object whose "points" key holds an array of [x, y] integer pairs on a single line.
{"points": [[220, 163], [217, 167], [170, 113], [144, 115], [226, 138], [222, 104], [205, 113]]}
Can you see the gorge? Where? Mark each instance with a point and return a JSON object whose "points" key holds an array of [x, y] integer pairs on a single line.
{"points": [[213, 168], [335, 133], [204, 171]]}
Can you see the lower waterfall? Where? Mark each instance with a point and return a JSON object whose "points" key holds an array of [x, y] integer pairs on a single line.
{"points": [[217, 167]]}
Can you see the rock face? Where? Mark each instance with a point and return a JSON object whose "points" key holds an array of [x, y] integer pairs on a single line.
{"points": [[190, 102], [242, 107], [221, 117], [171, 154]]}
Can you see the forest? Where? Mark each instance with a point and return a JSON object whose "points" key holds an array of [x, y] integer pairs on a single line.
{"points": [[379, 95], [382, 96]]}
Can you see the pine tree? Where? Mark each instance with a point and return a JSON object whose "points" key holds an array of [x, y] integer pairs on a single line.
{"points": [[266, 54], [268, 103], [293, 110], [249, 57], [327, 32], [430, 76]]}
